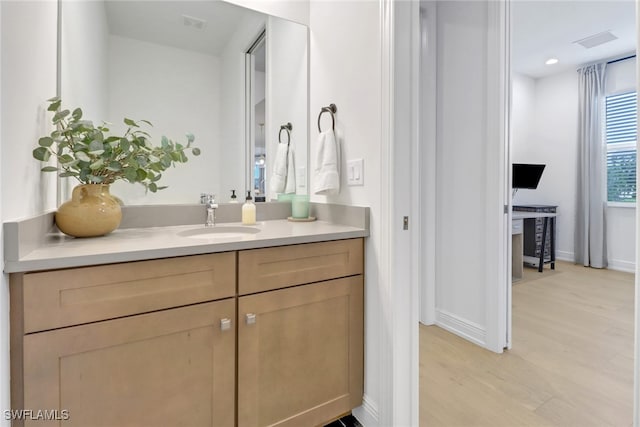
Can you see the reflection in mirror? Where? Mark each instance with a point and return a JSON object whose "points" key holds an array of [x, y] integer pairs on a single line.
{"points": [[181, 65], [256, 78]]}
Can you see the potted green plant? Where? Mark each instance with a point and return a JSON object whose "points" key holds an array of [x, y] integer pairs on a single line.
{"points": [[96, 159]]}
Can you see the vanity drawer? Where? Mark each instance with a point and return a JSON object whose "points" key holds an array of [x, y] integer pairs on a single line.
{"points": [[59, 298], [273, 268]]}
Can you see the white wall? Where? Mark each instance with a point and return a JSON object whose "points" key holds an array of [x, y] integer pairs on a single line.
{"points": [[287, 99], [179, 92], [28, 78], [545, 123], [345, 70], [83, 78], [549, 135]]}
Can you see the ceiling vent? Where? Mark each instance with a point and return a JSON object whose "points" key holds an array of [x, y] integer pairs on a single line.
{"points": [[195, 23], [596, 40]]}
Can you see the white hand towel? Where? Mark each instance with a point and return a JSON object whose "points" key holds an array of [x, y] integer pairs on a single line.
{"points": [[327, 169], [279, 177], [290, 186]]}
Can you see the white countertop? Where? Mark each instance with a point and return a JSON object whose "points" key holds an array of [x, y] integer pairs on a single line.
{"points": [[135, 244]]}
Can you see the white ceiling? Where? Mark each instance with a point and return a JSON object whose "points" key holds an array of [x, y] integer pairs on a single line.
{"points": [[543, 29], [162, 22]]}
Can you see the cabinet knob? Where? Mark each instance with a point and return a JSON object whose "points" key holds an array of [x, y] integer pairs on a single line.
{"points": [[250, 318], [225, 324]]}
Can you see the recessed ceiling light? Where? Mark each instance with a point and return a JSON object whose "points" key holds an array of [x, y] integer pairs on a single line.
{"points": [[551, 61]]}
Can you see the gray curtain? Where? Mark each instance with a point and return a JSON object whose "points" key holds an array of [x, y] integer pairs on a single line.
{"points": [[590, 245]]}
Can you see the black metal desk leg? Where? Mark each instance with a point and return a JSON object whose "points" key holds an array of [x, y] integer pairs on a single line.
{"points": [[544, 238], [553, 243]]}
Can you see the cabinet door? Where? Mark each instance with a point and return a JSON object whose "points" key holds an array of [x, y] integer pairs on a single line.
{"points": [[300, 353], [169, 368]]}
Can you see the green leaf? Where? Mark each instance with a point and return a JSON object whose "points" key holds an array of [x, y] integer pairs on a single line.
{"points": [[130, 174], [54, 104], [97, 164], [125, 145], [96, 179], [114, 166], [153, 187], [164, 141], [156, 178], [131, 123], [95, 145], [45, 141], [68, 174], [82, 156], [65, 158], [84, 173], [141, 175], [49, 169], [147, 122], [77, 114], [163, 187], [41, 153], [60, 115], [54, 99], [195, 151], [190, 137]]}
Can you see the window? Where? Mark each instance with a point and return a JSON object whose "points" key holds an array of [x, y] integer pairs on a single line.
{"points": [[621, 135]]}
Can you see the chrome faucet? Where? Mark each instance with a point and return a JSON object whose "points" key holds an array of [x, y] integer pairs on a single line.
{"points": [[211, 210]]}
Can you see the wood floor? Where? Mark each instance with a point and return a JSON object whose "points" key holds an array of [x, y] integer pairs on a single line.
{"points": [[571, 363]]}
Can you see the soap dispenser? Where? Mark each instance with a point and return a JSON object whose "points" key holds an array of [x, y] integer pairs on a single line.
{"points": [[248, 211], [234, 198]]}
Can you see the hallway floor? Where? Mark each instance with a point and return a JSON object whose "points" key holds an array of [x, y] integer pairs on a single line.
{"points": [[571, 363]]}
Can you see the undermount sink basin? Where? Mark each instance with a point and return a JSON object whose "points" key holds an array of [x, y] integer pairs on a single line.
{"points": [[219, 232]]}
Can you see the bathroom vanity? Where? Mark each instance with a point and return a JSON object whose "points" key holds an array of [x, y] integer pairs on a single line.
{"points": [[268, 333]]}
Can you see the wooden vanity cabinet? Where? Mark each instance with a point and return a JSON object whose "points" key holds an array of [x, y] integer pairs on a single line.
{"points": [[300, 347], [184, 341], [172, 365]]}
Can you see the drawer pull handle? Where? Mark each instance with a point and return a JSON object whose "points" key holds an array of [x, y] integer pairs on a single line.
{"points": [[225, 324], [250, 318]]}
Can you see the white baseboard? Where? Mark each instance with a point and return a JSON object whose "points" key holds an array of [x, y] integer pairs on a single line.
{"points": [[614, 264], [626, 266], [367, 413], [468, 330], [565, 256]]}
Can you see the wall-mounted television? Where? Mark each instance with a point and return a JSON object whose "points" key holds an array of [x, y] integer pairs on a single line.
{"points": [[525, 175]]}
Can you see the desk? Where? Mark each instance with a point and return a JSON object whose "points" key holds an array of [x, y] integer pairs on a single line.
{"points": [[517, 228]]}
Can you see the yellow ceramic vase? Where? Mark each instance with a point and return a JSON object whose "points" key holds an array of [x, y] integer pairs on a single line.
{"points": [[91, 212]]}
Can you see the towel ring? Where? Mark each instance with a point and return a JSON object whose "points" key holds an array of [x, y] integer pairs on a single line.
{"points": [[288, 127], [330, 109]]}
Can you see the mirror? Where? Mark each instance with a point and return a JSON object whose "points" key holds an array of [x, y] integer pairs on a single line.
{"points": [[182, 65]]}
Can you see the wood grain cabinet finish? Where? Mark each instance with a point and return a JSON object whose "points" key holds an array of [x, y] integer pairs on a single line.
{"points": [[168, 368], [300, 354], [186, 342], [55, 299], [261, 270]]}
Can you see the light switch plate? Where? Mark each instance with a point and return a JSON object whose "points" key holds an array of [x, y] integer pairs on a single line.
{"points": [[355, 172]]}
